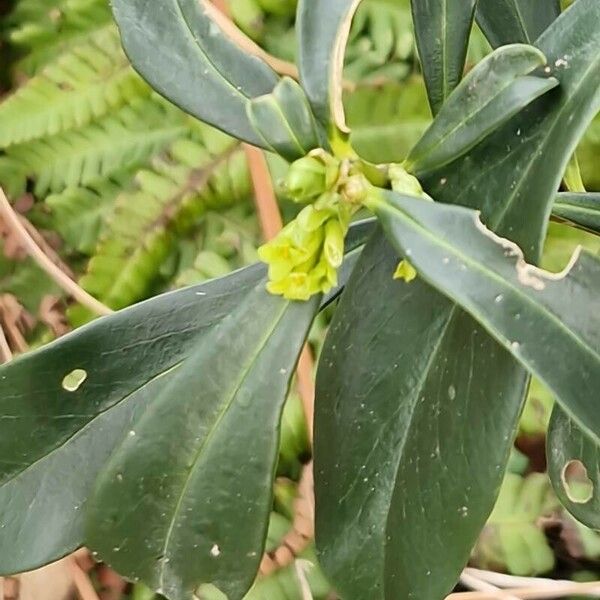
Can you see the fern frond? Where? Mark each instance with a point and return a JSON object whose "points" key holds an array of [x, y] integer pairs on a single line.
{"points": [[43, 29], [25, 280], [81, 85], [13, 179], [168, 201], [121, 140], [78, 214], [225, 241]]}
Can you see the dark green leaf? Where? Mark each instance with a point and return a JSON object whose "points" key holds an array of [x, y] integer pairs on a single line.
{"points": [[184, 55], [403, 486], [323, 29], [510, 21], [547, 321], [494, 91], [185, 500], [285, 121], [442, 28], [410, 539], [48, 433], [580, 209], [574, 468]]}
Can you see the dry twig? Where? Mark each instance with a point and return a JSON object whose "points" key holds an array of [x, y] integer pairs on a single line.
{"points": [[541, 591], [12, 220], [473, 582], [5, 351]]}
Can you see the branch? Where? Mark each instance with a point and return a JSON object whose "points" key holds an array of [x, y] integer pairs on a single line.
{"points": [[473, 582], [5, 351], [265, 200], [82, 582], [13, 221], [542, 591]]}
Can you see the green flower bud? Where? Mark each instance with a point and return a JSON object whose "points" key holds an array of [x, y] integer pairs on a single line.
{"points": [[307, 179], [312, 218]]}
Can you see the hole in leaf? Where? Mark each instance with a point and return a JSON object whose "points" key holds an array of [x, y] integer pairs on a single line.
{"points": [[578, 486], [73, 380]]}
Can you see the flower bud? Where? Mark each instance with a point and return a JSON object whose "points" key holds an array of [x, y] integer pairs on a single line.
{"points": [[306, 180], [356, 188]]}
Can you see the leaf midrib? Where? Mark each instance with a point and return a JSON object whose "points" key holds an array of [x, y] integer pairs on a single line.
{"points": [[464, 123], [197, 42]]}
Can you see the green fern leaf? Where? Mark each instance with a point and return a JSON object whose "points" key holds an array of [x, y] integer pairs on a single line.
{"points": [[78, 157], [44, 29], [224, 241], [78, 214], [80, 86], [382, 41], [167, 202]]}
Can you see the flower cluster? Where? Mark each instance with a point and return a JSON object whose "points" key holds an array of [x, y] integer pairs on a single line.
{"points": [[304, 258]]}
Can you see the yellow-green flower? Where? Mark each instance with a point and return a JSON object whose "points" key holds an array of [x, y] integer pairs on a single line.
{"points": [[304, 258], [405, 271]]}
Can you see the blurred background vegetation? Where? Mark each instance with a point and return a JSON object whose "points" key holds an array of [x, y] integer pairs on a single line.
{"points": [[131, 197]]}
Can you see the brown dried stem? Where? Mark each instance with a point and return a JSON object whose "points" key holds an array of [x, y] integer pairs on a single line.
{"points": [[15, 222], [542, 591]]}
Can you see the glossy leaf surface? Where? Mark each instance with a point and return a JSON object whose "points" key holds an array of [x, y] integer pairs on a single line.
{"points": [[510, 21], [46, 430], [442, 29], [512, 177], [574, 468], [323, 27], [401, 373], [495, 90], [547, 321], [580, 209], [185, 500], [184, 55]]}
